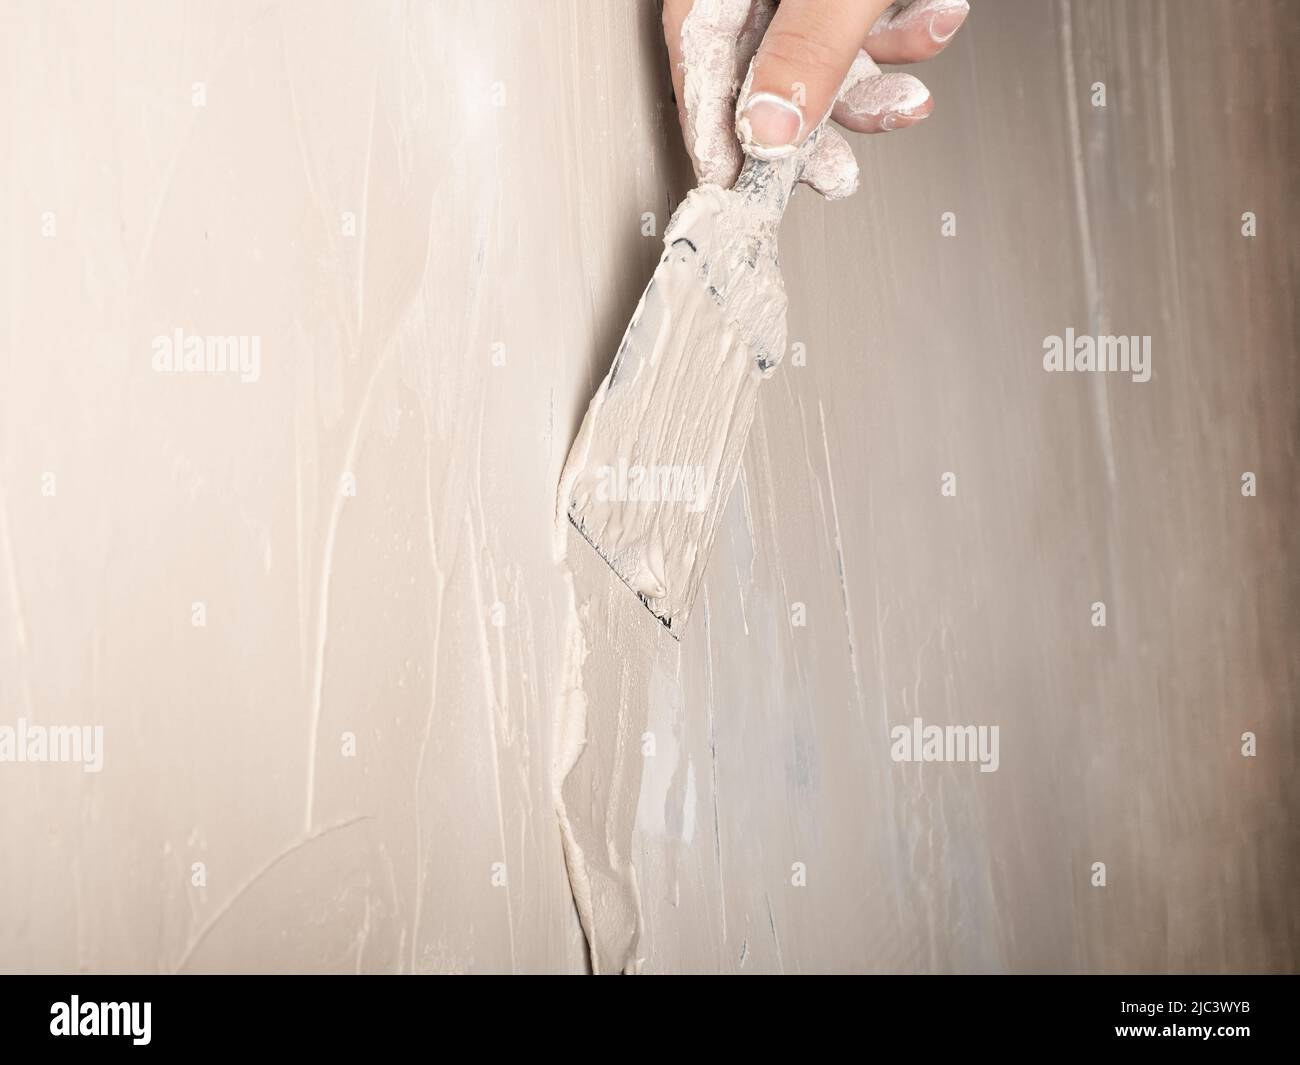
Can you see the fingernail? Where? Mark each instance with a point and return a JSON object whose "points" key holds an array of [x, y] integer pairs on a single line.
{"points": [[944, 24], [899, 120], [769, 126]]}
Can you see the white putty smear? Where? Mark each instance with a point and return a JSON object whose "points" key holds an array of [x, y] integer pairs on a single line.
{"points": [[570, 737], [597, 761]]}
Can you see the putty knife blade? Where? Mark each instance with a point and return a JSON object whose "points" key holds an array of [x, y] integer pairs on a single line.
{"points": [[648, 478]]}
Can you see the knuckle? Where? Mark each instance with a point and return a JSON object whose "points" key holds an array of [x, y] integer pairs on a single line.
{"points": [[799, 49]]}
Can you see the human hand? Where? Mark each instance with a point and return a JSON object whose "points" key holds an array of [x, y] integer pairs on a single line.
{"points": [[813, 57]]}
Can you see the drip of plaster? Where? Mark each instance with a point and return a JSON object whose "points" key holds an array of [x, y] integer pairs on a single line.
{"points": [[598, 763], [570, 738], [596, 767]]}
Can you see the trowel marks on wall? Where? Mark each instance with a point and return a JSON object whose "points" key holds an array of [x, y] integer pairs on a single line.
{"points": [[679, 398], [678, 401]]}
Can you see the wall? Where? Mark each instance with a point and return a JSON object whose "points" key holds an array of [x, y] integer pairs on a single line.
{"points": [[430, 215]]}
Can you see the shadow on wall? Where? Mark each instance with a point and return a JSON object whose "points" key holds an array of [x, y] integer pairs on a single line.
{"points": [[630, 245]]}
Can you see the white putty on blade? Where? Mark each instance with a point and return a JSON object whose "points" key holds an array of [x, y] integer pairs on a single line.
{"points": [[660, 446]]}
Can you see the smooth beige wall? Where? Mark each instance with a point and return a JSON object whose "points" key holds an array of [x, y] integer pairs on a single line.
{"points": [[319, 614]]}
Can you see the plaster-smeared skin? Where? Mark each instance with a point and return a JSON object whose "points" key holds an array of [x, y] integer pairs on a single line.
{"points": [[718, 41]]}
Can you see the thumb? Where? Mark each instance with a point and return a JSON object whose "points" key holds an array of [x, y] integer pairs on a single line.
{"points": [[797, 73]]}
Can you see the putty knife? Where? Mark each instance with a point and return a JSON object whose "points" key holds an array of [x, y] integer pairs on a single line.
{"points": [[648, 478]]}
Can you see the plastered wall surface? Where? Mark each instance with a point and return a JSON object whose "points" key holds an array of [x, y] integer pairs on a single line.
{"points": [[321, 614]]}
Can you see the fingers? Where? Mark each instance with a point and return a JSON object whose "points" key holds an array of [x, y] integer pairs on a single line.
{"points": [[885, 103], [710, 43], [873, 102], [913, 32], [831, 168], [869, 102], [804, 57], [809, 53]]}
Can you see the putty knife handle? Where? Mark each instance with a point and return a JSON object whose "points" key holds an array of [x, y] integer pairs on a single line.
{"points": [[768, 183]]}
